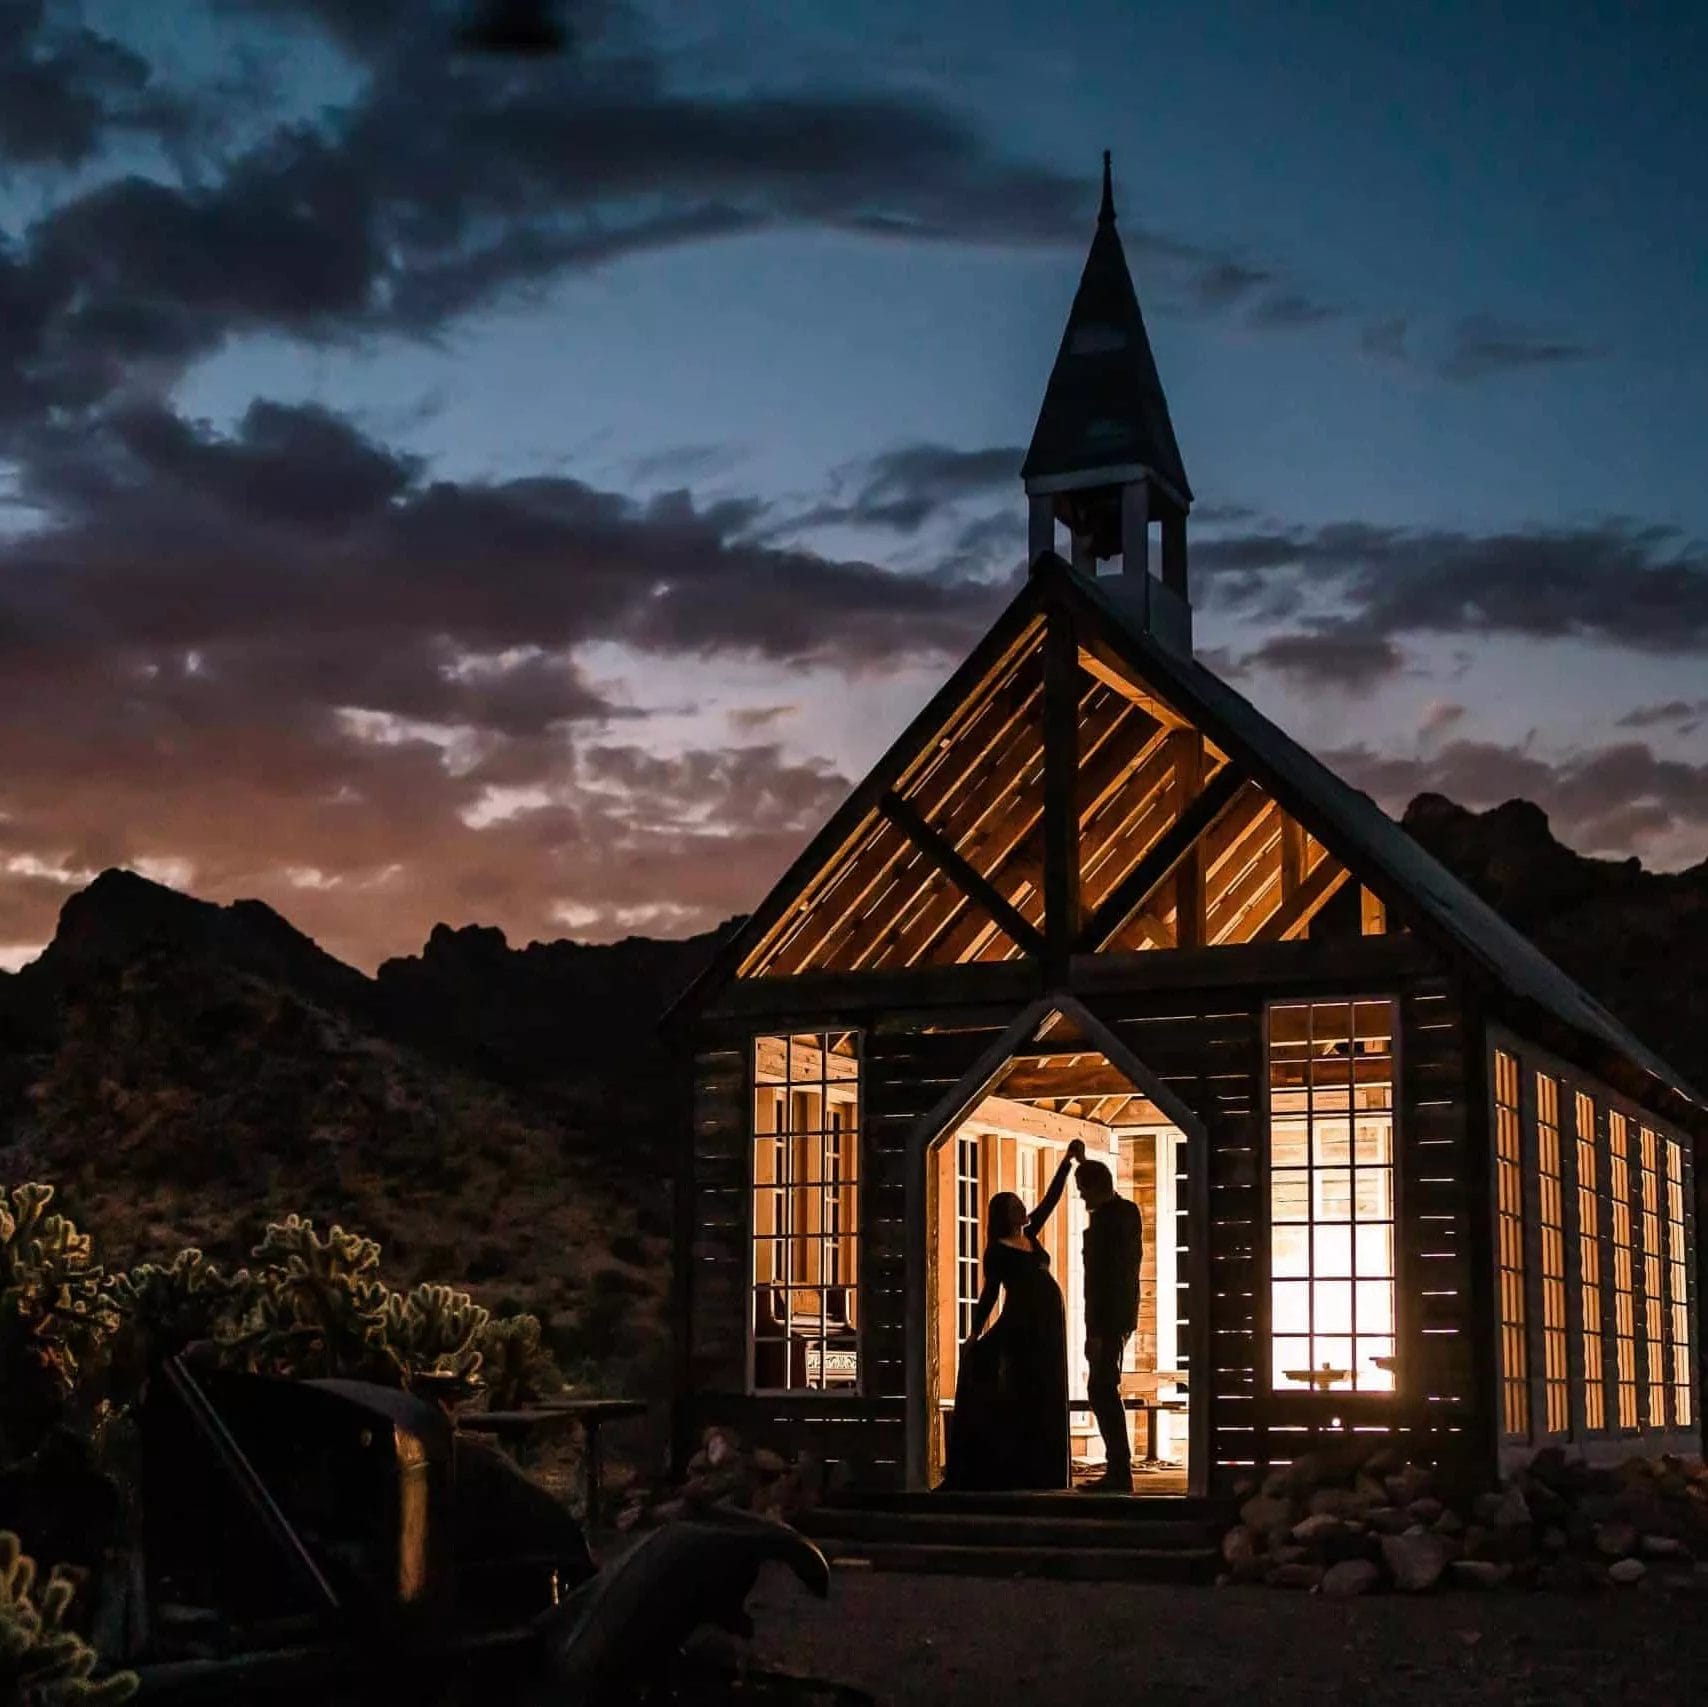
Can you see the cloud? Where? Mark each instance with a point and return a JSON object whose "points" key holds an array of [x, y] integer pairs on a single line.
{"points": [[1360, 589], [285, 648], [66, 91], [1680, 716], [1476, 347], [905, 488], [1332, 657], [1482, 345], [1609, 799]]}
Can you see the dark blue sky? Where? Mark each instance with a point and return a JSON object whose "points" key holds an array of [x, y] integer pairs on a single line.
{"points": [[450, 488]]}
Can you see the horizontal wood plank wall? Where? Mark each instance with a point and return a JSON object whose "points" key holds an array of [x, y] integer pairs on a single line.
{"points": [[906, 1069]]}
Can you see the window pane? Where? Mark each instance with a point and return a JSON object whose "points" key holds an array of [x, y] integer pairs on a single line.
{"points": [[1333, 1302], [1375, 1306], [1291, 1307], [1374, 1249], [1333, 1253], [1290, 1251], [805, 1211], [1332, 1194], [1331, 1155], [1289, 1197]]}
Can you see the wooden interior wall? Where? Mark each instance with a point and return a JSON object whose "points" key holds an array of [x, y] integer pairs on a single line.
{"points": [[1141, 1187]]}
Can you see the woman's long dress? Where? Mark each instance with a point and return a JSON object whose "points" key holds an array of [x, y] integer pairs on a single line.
{"points": [[1010, 1423]]}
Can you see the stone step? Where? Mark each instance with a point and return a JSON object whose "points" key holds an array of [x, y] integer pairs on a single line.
{"points": [[1073, 1564], [1076, 1506], [1079, 1529]]}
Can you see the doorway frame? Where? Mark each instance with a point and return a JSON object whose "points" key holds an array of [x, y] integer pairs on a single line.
{"points": [[949, 1111]]}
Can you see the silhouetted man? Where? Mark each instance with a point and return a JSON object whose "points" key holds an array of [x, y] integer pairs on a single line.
{"points": [[1114, 1245]]}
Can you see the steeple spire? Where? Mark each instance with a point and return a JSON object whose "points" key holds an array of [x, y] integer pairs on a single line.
{"points": [[1103, 461]]}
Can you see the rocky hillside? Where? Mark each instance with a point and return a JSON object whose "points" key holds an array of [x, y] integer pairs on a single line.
{"points": [[187, 1072], [1636, 940]]}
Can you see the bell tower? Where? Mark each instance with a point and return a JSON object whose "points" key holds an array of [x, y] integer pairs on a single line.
{"points": [[1103, 462]]}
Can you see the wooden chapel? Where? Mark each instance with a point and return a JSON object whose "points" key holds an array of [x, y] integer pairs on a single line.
{"points": [[1399, 1175]]}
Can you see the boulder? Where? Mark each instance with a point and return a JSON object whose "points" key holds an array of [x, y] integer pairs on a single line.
{"points": [[1336, 1502], [1322, 1527], [1239, 1545], [1412, 1482], [1664, 1547], [1615, 1539], [1449, 1523], [1298, 1575], [721, 1448], [1350, 1577], [1265, 1513], [1627, 1572], [1425, 1510], [767, 1462], [1388, 1520], [1416, 1559], [1480, 1573]]}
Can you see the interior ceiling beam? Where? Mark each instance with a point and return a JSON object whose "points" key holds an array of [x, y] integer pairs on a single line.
{"points": [[1049, 1079], [1171, 847], [1113, 679], [971, 882], [1303, 905], [839, 910]]}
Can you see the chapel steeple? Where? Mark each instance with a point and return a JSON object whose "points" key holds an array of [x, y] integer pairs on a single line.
{"points": [[1103, 460]]}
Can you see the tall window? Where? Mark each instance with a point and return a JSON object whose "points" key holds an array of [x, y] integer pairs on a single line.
{"points": [[1624, 1280], [1509, 1207], [1589, 1269], [806, 1110], [1556, 1394], [1678, 1284], [968, 1198], [1654, 1299], [1331, 1159]]}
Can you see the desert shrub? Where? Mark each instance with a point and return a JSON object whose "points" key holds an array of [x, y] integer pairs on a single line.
{"points": [[57, 1314], [515, 1364], [42, 1663]]}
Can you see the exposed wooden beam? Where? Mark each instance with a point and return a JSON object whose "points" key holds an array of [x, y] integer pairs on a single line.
{"points": [[1015, 1119], [1292, 856], [1062, 695], [965, 878], [1136, 888], [1064, 1077], [1189, 873], [1129, 690], [1373, 914], [1326, 876]]}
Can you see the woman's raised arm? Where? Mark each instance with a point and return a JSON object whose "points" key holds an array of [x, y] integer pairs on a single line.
{"points": [[1035, 1221]]}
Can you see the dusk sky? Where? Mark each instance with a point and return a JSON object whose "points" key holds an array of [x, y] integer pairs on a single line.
{"points": [[531, 491]]}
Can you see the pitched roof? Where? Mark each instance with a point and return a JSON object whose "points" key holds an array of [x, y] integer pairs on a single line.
{"points": [[1378, 851], [1104, 406], [1360, 833]]}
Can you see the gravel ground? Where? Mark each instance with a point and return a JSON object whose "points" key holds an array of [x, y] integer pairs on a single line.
{"points": [[943, 1640]]}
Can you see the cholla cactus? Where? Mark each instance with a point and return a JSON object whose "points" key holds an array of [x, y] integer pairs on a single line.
{"points": [[172, 1305], [515, 1364], [435, 1330], [319, 1304], [57, 1311], [43, 1664]]}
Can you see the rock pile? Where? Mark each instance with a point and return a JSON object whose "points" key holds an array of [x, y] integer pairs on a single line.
{"points": [[1347, 1523], [725, 1473]]}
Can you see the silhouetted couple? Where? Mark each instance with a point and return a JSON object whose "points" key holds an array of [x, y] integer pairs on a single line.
{"points": [[1010, 1425]]}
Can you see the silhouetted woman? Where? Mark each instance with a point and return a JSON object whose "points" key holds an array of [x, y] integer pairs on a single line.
{"points": [[1010, 1423]]}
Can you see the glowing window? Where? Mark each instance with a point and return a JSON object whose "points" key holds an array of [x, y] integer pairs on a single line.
{"points": [[1624, 1281], [1678, 1284], [1552, 1227], [806, 1111], [1509, 1253], [1331, 1195], [1589, 1269], [1654, 1300]]}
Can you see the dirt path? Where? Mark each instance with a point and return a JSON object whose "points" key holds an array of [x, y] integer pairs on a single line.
{"points": [[942, 1640]]}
